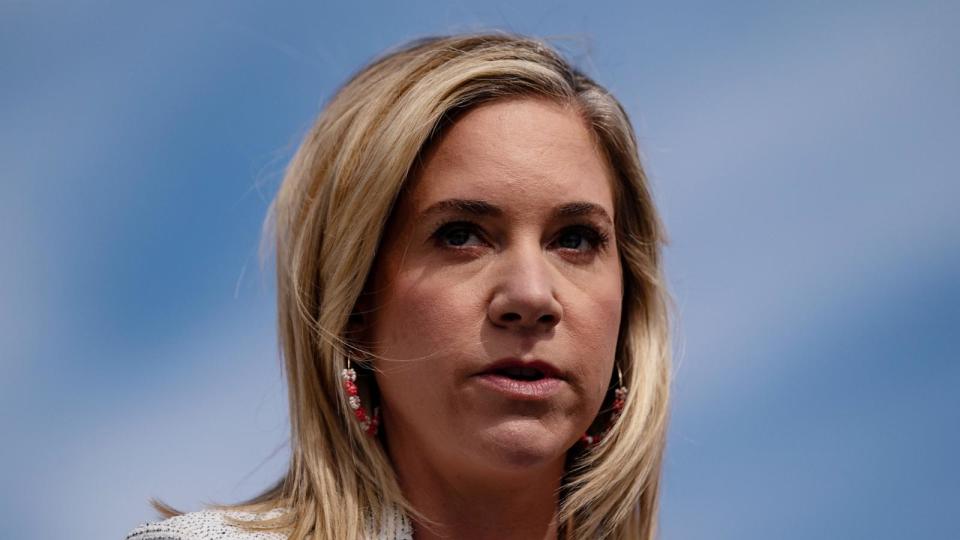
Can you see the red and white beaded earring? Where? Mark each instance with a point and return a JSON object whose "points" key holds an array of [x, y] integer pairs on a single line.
{"points": [[619, 400], [368, 423]]}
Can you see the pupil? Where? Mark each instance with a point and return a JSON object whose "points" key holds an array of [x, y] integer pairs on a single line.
{"points": [[458, 237], [570, 240]]}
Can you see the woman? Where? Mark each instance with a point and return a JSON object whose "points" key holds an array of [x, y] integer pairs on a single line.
{"points": [[472, 310]]}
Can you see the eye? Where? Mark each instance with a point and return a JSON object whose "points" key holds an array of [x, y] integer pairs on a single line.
{"points": [[457, 234], [581, 238]]}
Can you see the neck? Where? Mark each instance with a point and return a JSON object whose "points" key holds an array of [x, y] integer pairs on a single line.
{"points": [[478, 505]]}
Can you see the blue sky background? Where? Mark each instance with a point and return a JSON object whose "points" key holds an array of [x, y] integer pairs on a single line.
{"points": [[803, 155]]}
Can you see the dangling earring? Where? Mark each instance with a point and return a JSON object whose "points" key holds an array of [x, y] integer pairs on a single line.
{"points": [[367, 423], [619, 400]]}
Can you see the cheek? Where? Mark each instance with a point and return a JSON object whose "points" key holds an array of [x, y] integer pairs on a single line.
{"points": [[425, 320], [423, 332], [424, 335], [594, 329]]}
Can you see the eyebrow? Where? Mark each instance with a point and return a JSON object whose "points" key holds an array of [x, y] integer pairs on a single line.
{"points": [[478, 207], [466, 206], [582, 208]]}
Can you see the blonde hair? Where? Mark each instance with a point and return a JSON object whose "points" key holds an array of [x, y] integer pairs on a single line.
{"points": [[329, 216]]}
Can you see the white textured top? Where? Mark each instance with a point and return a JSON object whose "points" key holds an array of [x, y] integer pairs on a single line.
{"points": [[210, 525]]}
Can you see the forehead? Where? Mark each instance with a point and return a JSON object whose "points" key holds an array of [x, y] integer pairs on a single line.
{"points": [[525, 154]]}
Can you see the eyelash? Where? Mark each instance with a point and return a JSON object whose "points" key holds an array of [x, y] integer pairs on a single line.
{"points": [[598, 239]]}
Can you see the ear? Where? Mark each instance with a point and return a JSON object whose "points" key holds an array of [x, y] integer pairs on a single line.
{"points": [[357, 323]]}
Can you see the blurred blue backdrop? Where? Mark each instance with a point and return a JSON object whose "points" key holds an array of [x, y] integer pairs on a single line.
{"points": [[802, 155]]}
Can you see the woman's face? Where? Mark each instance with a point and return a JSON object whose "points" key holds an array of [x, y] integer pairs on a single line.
{"points": [[497, 292]]}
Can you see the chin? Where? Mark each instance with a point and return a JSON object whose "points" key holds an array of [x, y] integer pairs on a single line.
{"points": [[522, 444]]}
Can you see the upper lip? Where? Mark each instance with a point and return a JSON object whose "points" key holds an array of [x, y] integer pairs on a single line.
{"points": [[548, 370]]}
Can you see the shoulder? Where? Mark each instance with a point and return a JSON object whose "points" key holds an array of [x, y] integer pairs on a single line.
{"points": [[203, 525]]}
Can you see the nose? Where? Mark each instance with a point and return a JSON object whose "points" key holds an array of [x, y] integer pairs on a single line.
{"points": [[524, 297]]}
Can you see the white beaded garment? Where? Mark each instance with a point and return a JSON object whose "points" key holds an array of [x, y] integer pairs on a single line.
{"points": [[210, 525]]}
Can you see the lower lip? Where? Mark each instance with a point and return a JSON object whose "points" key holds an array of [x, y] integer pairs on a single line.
{"points": [[520, 389]]}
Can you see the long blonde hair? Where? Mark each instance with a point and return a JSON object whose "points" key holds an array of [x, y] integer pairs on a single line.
{"points": [[327, 221]]}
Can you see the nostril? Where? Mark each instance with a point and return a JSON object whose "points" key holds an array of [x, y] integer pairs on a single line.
{"points": [[546, 319]]}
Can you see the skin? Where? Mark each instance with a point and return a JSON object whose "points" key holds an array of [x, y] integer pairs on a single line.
{"points": [[448, 299]]}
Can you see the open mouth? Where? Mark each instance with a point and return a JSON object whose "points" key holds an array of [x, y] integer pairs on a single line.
{"points": [[520, 373], [519, 370], [523, 380]]}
